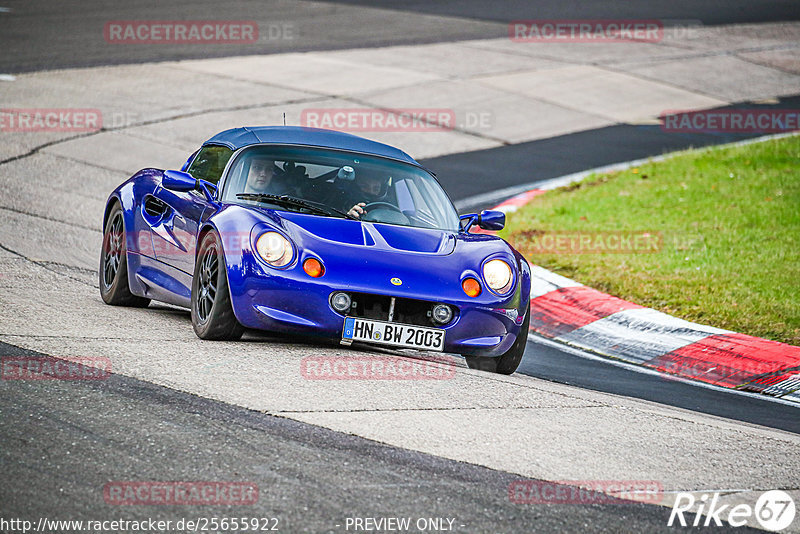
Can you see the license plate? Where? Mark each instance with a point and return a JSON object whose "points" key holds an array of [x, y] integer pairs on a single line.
{"points": [[394, 334]]}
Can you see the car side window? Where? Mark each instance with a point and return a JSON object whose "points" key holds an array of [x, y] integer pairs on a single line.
{"points": [[210, 162]]}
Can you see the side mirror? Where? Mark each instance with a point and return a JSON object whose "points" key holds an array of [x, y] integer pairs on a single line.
{"points": [[209, 190], [487, 220], [467, 221], [492, 220], [178, 181]]}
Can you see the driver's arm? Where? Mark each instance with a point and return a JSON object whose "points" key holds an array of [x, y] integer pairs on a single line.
{"points": [[358, 210]]}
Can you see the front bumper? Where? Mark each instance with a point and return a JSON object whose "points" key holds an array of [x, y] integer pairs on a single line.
{"points": [[289, 301]]}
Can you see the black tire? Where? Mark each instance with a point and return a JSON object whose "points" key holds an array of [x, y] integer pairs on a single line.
{"points": [[114, 287], [507, 363], [212, 311]]}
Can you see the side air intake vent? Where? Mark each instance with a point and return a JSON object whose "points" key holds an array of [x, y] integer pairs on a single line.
{"points": [[153, 207]]}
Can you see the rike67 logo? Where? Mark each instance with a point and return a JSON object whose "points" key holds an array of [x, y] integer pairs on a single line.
{"points": [[774, 510]]}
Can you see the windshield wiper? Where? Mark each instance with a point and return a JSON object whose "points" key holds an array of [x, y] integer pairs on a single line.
{"points": [[288, 201]]}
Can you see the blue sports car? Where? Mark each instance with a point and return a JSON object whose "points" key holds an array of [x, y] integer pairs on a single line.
{"points": [[308, 231]]}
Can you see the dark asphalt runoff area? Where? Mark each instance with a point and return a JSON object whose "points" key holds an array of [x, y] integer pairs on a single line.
{"points": [[62, 441], [703, 11], [483, 171], [43, 34]]}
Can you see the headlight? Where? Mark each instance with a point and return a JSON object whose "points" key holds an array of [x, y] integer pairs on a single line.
{"points": [[497, 274], [274, 248]]}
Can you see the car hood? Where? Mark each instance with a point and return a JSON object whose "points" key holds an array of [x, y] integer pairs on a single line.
{"points": [[304, 228], [369, 256]]}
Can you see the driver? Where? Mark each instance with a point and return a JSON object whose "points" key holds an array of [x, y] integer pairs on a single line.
{"points": [[369, 188], [262, 173]]}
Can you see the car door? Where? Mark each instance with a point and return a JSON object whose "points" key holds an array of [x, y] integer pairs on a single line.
{"points": [[179, 212], [174, 231]]}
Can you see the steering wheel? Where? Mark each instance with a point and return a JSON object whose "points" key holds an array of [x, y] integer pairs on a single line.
{"points": [[375, 205], [393, 214]]}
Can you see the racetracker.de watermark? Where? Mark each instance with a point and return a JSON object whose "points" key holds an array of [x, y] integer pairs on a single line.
{"points": [[84, 120], [380, 120], [577, 242], [585, 31], [181, 32], [184, 246], [722, 369], [732, 121], [50, 120], [585, 491], [48, 368], [376, 368], [178, 493]]}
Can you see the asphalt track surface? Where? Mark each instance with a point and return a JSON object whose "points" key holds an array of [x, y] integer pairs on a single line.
{"points": [[42, 34], [67, 439]]}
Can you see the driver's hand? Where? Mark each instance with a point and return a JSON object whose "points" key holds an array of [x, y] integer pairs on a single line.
{"points": [[358, 210]]}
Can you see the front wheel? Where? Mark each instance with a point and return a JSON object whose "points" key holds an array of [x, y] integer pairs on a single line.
{"points": [[212, 311], [508, 362], [114, 288]]}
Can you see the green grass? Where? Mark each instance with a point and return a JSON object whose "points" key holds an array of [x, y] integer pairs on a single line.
{"points": [[730, 225]]}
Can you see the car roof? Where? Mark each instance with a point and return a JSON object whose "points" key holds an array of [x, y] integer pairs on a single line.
{"points": [[236, 138]]}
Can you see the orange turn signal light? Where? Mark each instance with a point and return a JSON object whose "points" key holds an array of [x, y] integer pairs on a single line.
{"points": [[313, 268], [471, 287]]}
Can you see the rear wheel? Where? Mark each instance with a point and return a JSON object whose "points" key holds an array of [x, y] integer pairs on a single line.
{"points": [[212, 311], [114, 288], [508, 362]]}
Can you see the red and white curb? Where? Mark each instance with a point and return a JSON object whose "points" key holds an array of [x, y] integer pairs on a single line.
{"points": [[573, 314], [582, 317]]}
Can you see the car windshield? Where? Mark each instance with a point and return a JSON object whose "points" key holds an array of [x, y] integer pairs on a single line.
{"points": [[331, 183]]}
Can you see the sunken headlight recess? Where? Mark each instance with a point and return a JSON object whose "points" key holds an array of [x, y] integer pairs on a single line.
{"points": [[275, 249], [497, 274]]}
